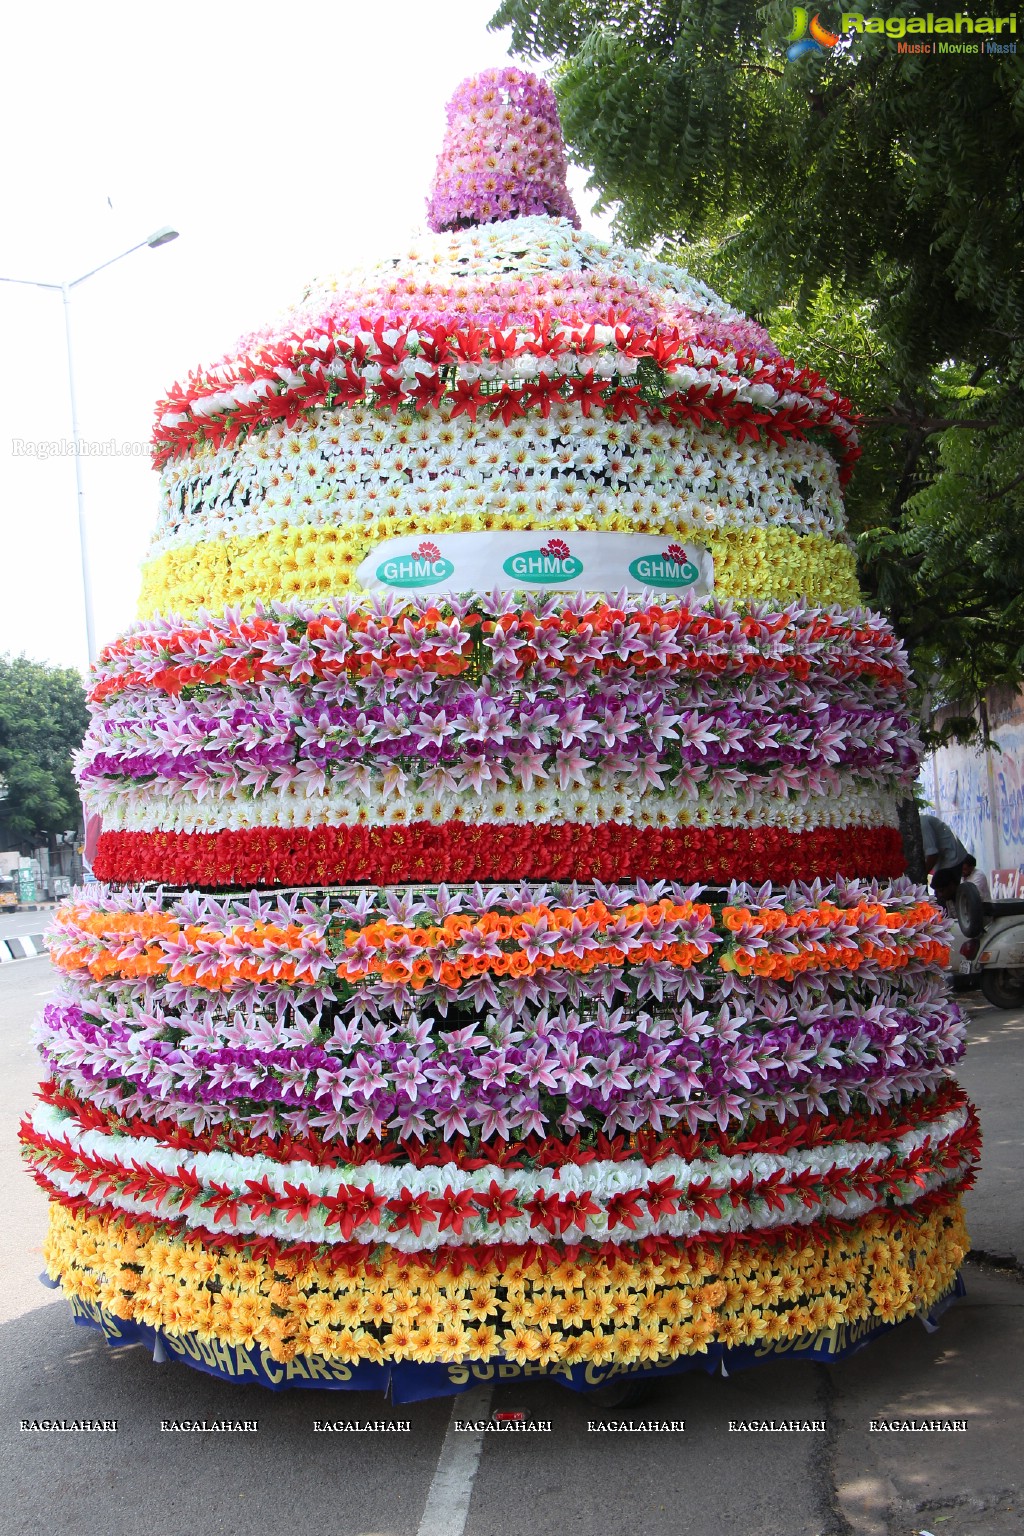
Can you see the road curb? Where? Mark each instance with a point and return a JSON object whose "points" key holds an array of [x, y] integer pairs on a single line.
{"points": [[25, 947]]}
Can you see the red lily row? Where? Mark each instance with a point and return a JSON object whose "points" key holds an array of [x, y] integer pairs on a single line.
{"points": [[353, 1206], [458, 852], [441, 351], [620, 402], [356, 1258], [802, 1131], [440, 347]]}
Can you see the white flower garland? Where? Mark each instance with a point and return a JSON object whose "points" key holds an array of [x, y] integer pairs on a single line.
{"points": [[383, 800], [360, 467], [602, 1180]]}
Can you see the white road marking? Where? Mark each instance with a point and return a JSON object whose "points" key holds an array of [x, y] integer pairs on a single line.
{"points": [[447, 1506]]}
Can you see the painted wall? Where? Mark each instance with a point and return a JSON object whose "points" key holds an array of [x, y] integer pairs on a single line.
{"points": [[981, 796]]}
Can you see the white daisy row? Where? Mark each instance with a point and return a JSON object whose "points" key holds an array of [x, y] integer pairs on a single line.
{"points": [[394, 799], [356, 466], [381, 801]]}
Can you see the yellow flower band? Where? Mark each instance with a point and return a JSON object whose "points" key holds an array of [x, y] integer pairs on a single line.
{"points": [[621, 1309], [310, 563]]}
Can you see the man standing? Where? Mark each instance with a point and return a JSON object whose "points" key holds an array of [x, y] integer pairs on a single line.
{"points": [[944, 856]]}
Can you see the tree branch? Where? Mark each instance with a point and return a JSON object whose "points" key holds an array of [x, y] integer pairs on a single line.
{"points": [[927, 424], [1006, 489]]}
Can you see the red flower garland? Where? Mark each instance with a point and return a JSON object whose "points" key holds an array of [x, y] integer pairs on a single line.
{"points": [[801, 1131], [460, 852], [178, 428], [353, 1205], [357, 1258]]}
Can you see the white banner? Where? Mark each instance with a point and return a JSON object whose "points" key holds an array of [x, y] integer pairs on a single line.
{"points": [[533, 560]]}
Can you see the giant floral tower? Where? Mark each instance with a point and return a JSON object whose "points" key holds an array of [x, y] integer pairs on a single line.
{"points": [[504, 960]]}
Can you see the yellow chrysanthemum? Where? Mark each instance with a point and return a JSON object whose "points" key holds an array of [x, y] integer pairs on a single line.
{"points": [[310, 560], [301, 1305]]}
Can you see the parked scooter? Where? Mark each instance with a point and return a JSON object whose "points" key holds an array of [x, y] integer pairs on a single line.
{"points": [[994, 947]]}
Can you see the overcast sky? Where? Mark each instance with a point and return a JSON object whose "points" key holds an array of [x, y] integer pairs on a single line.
{"points": [[282, 142]]}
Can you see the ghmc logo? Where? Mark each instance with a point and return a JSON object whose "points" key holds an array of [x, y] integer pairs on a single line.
{"points": [[422, 568], [674, 568], [820, 39], [552, 563]]}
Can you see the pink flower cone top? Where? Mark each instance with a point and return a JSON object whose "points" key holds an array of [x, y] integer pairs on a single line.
{"points": [[503, 156]]}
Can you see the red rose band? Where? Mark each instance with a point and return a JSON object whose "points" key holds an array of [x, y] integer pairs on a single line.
{"points": [[456, 851]]}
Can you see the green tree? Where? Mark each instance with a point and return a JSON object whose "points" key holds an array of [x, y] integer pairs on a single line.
{"points": [[868, 207], [43, 718]]}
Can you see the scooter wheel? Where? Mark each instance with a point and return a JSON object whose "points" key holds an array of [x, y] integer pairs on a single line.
{"points": [[1003, 989], [970, 911]]}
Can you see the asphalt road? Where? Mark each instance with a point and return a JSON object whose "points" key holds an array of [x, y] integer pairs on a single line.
{"points": [[14, 924], [850, 1481], [992, 1072]]}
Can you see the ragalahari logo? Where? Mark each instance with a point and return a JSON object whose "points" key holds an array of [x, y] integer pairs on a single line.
{"points": [[808, 35], [957, 34]]}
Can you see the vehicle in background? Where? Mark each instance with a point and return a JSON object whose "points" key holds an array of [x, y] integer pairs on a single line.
{"points": [[964, 970], [993, 947]]}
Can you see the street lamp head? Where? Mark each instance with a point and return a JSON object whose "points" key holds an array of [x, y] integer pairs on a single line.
{"points": [[161, 237]]}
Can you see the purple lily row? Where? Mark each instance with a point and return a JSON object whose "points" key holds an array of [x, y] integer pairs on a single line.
{"points": [[618, 728], [587, 1079], [270, 1013], [432, 904], [500, 1075]]}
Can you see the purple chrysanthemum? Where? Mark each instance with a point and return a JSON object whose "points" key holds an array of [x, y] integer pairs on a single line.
{"points": [[502, 156]]}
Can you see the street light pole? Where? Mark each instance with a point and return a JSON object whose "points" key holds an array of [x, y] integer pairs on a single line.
{"points": [[83, 532], [159, 237]]}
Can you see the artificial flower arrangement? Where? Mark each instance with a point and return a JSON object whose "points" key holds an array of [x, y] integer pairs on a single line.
{"points": [[515, 979]]}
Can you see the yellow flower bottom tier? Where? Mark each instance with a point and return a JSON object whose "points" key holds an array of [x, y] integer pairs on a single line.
{"points": [[310, 563], [817, 1291]]}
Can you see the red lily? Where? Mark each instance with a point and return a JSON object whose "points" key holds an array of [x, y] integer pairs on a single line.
{"points": [[411, 1210], [624, 1208], [300, 1201], [543, 1211], [547, 388], [574, 1210], [498, 1204], [224, 1202], [264, 1200], [587, 391], [455, 1207], [662, 1197], [469, 344], [467, 399]]}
